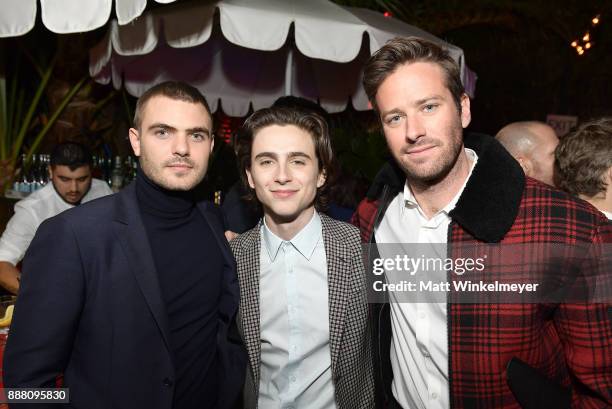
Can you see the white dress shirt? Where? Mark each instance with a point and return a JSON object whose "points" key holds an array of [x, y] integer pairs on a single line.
{"points": [[295, 353], [608, 214], [32, 211], [419, 343]]}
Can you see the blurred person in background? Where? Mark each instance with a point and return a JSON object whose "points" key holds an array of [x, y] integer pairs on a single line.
{"points": [[345, 194], [583, 163], [533, 145], [71, 184]]}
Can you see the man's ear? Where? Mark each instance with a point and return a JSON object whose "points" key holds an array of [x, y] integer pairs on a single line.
{"points": [[466, 114], [250, 178], [526, 165], [135, 140], [322, 178], [50, 170]]}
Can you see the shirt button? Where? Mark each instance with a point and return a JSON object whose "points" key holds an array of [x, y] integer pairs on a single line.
{"points": [[293, 379], [168, 382], [422, 315], [425, 352], [434, 395]]}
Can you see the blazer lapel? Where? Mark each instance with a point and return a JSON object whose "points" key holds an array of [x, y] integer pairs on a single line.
{"points": [[247, 259], [217, 228], [131, 234], [338, 281]]}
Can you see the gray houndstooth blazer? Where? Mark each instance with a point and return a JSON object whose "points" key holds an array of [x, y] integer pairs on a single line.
{"points": [[351, 357]]}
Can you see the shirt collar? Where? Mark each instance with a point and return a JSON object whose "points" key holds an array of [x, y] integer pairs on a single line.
{"points": [[304, 242], [411, 203]]}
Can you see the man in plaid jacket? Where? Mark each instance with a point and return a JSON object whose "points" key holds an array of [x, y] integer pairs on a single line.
{"points": [[439, 189]]}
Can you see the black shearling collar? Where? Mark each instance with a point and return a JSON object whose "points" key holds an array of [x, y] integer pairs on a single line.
{"points": [[490, 201]]}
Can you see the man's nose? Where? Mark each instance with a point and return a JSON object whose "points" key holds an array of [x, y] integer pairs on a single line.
{"points": [[283, 174], [180, 145], [414, 128]]}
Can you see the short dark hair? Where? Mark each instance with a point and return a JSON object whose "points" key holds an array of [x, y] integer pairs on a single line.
{"points": [[304, 119], [406, 50], [177, 90], [71, 154], [583, 156]]}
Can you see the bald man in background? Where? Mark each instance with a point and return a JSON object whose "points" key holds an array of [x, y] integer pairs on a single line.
{"points": [[533, 145]]}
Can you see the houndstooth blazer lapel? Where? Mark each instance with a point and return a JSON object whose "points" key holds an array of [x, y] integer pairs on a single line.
{"points": [[246, 250], [338, 281]]}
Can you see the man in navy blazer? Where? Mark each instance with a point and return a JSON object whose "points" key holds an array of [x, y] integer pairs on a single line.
{"points": [[132, 298]]}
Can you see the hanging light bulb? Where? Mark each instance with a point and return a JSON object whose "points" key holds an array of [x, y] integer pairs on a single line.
{"points": [[580, 52], [586, 37], [574, 44], [587, 45], [595, 20]]}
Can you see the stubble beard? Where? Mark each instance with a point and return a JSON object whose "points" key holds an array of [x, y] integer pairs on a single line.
{"points": [[438, 170], [156, 175]]}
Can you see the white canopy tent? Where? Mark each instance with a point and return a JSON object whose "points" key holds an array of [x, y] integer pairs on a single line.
{"points": [[17, 17], [262, 50]]}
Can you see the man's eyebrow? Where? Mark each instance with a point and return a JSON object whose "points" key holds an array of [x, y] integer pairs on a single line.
{"points": [[419, 102], [275, 155], [161, 125], [391, 111], [299, 154], [266, 155], [199, 129], [428, 99]]}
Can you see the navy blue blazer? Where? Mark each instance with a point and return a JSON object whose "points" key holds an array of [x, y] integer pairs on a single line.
{"points": [[90, 308]]}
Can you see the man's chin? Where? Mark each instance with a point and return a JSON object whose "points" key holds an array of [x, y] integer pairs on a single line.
{"points": [[178, 187], [179, 184]]}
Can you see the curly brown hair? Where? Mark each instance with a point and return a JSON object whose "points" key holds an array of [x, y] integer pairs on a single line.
{"points": [[305, 120], [583, 157]]}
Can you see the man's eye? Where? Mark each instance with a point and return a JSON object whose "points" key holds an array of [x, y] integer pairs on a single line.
{"points": [[299, 162], [430, 107], [265, 162], [393, 120], [161, 132], [198, 136]]}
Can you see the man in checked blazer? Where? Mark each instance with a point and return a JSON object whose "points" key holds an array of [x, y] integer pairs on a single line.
{"points": [[303, 308]]}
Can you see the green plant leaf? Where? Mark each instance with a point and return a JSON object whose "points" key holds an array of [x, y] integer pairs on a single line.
{"points": [[30, 113], [58, 111]]}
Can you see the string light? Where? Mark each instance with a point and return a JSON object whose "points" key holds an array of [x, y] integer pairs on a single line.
{"points": [[387, 14], [586, 43]]}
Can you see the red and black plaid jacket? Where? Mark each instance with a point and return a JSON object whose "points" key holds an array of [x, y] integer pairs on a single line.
{"points": [[568, 344]]}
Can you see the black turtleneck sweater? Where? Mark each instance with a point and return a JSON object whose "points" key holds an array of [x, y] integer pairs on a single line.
{"points": [[189, 266]]}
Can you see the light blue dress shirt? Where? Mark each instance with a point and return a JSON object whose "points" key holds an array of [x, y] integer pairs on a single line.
{"points": [[295, 353]]}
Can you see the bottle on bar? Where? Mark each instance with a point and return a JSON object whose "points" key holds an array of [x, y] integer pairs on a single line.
{"points": [[117, 175]]}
